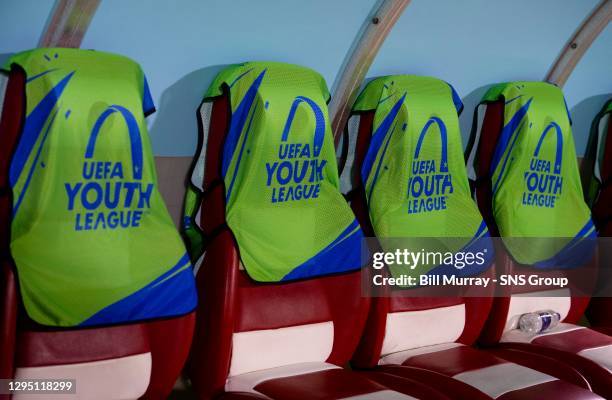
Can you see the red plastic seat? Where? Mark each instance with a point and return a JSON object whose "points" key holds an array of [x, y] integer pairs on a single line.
{"points": [[124, 361], [586, 350], [285, 340], [430, 338], [598, 312]]}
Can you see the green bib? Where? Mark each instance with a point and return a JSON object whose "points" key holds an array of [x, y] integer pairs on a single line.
{"points": [[414, 174], [535, 178], [91, 237], [283, 202]]}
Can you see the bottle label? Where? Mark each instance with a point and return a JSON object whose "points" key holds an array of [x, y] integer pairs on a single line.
{"points": [[546, 321]]}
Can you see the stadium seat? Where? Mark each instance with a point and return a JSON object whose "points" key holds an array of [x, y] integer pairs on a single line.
{"points": [[513, 121], [596, 171], [110, 334], [283, 322], [398, 121]]}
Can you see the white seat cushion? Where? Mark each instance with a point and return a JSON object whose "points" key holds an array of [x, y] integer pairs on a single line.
{"points": [[270, 348], [414, 329]]}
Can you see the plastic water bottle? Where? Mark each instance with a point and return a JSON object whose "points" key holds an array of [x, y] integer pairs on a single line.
{"points": [[539, 321]]}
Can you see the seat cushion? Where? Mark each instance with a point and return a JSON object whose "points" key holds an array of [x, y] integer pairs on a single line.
{"points": [[269, 348], [587, 350], [108, 363], [414, 329], [497, 378], [310, 381], [575, 339], [117, 378]]}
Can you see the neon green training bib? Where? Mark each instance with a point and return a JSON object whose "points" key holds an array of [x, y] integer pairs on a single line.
{"points": [[535, 179], [91, 237], [414, 173], [283, 202]]}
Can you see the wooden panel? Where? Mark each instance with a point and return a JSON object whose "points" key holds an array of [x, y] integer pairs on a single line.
{"points": [[359, 59], [579, 43]]}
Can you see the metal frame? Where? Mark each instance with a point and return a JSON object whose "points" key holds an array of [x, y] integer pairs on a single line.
{"points": [[579, 43], [68, 23], [359, 59]]}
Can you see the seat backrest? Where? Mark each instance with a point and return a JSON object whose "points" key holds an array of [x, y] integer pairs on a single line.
{"points": [[12, 102], [597, 170], [256, 312], [405, 129], [522, 164], [85, 209]]}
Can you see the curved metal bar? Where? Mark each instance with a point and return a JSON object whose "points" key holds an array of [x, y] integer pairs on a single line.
{"points": [[579, 43], [68, 23], [359, 59]]}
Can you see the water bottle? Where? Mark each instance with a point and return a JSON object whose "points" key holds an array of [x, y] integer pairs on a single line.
{"points": [[539, 321]]}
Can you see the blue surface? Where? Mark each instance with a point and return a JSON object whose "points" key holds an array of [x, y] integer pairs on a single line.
{"points": [[470, 44]]}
